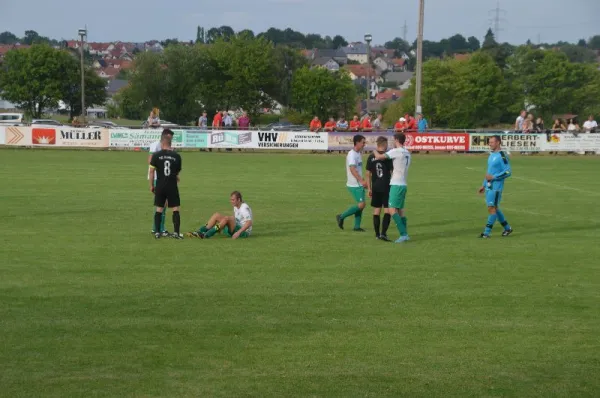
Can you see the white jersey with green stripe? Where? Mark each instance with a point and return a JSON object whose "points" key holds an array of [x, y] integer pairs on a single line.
{"points": [[353, 159], [401, 158]]}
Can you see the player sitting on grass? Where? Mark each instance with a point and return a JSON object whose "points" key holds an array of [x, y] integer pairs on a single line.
{"points": [[237, 226]]}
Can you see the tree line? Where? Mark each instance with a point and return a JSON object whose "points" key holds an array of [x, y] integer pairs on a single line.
{"points": [[496, 82]]}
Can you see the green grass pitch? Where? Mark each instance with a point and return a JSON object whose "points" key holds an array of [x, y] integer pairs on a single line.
{"points": [[92, 306]]}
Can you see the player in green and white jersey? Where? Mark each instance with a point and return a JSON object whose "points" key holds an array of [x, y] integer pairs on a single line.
{"points": [[401, 159], [355, 183]]}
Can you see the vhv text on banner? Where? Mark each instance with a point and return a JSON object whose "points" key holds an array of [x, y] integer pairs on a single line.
{"points": [[290, 140]]}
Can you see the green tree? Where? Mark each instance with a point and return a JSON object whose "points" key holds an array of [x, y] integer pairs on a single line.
{"points": [[399, 46], [32, 37], [248, 72], [8, 38], [32, 78], [286, 61], [248, 33], [489, 40], [323, 93], [95, 87], [339, 41], [594, 42], [578, 54], [200, 37], [473, 43]]}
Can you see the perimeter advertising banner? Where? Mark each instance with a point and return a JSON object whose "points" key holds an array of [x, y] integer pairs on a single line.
{"points": [[128, 138], [511, 142], [343, 141]]}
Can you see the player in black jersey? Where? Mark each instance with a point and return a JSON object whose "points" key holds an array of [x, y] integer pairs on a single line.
{"points": [[379, 173], [166, 163]]}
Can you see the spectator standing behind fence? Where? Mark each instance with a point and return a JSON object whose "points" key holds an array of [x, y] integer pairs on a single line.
{"points": [[315, 124], [217, 121], [572, 126], [342, 124], [559, 125], [520, 120], [590, 125], [422, 123], [244, 122], [539, 125], [354, 124], [400, 126], [227, 120], [203, 120], [378, 122], [366, 125], [330, 125], [411, 123]]}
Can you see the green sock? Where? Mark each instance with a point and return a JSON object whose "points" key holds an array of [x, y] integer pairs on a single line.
{"points": [[211, 231], [162, 221], [351, 211], [203, 229], [399, 224], [405, 223], [357, 219]]}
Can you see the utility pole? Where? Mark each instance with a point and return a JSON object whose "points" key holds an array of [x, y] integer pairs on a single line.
{"points": [[368, 39], [496, 19], [419, 70], [82, 35]]}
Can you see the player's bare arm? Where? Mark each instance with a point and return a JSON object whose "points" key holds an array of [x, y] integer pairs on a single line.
{"points": [[151, 179], [379, 156], [246, 225], [354, 172], [369, 182]]}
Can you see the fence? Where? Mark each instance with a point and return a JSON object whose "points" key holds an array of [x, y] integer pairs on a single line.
{"points": [[440, 141]]}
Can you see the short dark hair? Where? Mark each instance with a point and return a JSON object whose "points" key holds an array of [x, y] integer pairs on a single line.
{"points": [[167, 132], [498, 138], [358, 138], [400, 137], [237, 194], [381, 140]]}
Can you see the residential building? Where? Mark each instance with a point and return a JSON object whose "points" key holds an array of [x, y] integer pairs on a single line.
{"points": [[327, 63], [4, 48], [382, 52], [108, 73], [389, 94], [338, 55], [399, 78], [383, 64], [399, 64], [357, 52], [114, 86], [362, 71]]}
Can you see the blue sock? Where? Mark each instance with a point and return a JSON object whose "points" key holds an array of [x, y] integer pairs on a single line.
{"points": [[490, 223], [502, 220]]}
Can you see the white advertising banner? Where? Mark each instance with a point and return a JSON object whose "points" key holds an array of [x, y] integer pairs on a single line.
{"points": [[511, 142], [572, 142], [268, 140], [127, 138], [2, 135]]}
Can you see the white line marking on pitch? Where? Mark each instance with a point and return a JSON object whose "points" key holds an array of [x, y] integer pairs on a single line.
{"points": [[548, 184]]}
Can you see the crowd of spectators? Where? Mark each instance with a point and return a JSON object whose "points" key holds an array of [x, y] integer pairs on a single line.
{"points": [[526, 123], [369, 123]]}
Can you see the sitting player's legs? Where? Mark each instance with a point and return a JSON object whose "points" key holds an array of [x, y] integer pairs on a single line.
{"points": [[396, 205], [222, 223]]}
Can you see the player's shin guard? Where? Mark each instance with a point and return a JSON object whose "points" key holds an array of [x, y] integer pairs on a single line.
{"points": [[211, 232], [357, 219], [352, 210], [157, 218], [490, 224], [502, 220], [376, 223], [176, 221], [386, 223]]}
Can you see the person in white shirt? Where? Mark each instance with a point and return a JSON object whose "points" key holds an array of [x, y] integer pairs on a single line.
{"points": [[227, 120], [401, 158], [520, 120], [203, 120], [237, 226], [355, 183], [590, 125], [155, 147]]}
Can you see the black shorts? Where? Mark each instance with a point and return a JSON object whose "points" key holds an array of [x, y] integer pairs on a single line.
{"points": [[380, 199], [168, 195]]}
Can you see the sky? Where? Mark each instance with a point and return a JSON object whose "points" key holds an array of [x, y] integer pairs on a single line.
{"points": [[142, 20]]}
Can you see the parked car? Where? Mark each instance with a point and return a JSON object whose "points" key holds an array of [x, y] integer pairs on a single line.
{"points": [[286, 126], [46, 122], [163, 124], [104, 124], [11, 119]]}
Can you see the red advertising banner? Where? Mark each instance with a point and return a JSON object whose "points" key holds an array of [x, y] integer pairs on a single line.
{"points": [[437, 141]]}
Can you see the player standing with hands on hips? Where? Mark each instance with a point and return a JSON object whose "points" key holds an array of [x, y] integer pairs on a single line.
{"points": [[498, 170], [355, 184], [166, 163]]}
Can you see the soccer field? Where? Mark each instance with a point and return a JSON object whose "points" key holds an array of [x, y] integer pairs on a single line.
{"points": [[92, 305]]}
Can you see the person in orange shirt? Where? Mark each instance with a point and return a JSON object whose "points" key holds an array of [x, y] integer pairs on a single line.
{"points": [[400, 125], [411, 123], [315, 124], [354, 124], [330, 125], [217, 120], [366, 124]]}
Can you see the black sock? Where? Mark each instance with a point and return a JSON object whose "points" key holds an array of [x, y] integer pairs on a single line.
{"points": [[176, 221], [376, 222], [386, 223], [157, 221]]}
